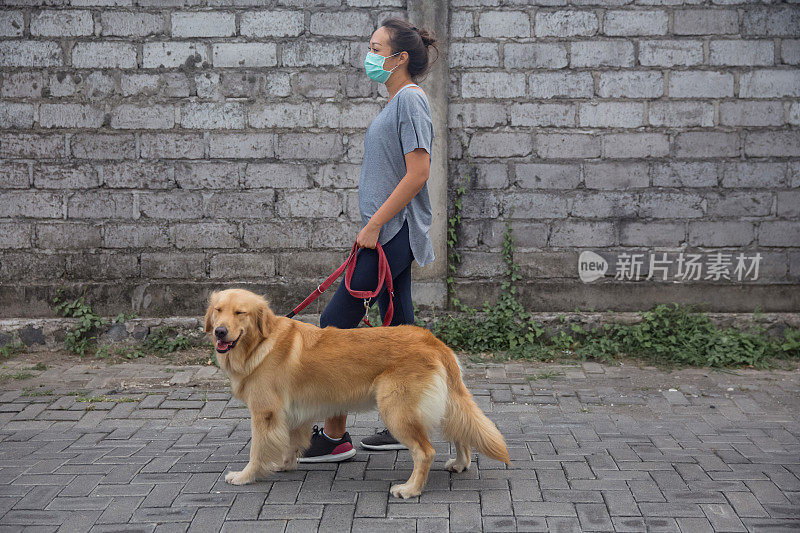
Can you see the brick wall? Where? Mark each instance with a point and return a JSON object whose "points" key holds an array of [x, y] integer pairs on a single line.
{"points": [[153, 149], [655, 127], [148, 153]]}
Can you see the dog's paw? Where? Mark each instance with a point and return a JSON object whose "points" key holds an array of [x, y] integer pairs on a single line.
{"points": [[454, 466], [404, 491], [238, 478]]}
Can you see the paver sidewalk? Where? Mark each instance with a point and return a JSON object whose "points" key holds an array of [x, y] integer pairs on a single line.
{"points": [[594, 448]]}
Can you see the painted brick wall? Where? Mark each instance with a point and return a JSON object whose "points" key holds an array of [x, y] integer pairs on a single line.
{"points": [[646, 127], [151, 149]]}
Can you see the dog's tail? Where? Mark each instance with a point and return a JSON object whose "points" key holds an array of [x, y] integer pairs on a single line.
{"points": [[464, 421]]}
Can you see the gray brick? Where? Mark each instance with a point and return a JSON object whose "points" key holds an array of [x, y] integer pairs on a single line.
{"points": [[573, 233], [305, 510], [779, 233], [722, 517], [245, 55], [567, 145], [337, 518], [342, 24], [173, 54], [535, 55], [750, 114], [622, 23], [617, 53], [31, 204], [30, 54], [616, 175], [504, 24], [164, 514], [630, 84], [126, 24], [12, 24], [22, 84], [109, 54], [492, 85], [304, 53], [103, 146], [472, 55], [62, 23], [721, 233], [740, 52], [70, 116], [700, 525], [652, 233], [137, 117], [666, 53], [417, 510], [303, 146], [203, 24], [15, 115], [271, 23], [771, 144], [705, 84], [706, 21], [171, 146], [486, 144], [173, 84], [681, 114], [465, 517], [565, 24], [769, 84], [594, 517], [213, 116]]}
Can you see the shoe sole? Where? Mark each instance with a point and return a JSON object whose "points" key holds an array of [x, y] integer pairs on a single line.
{"points": [[384, 446], [329, 458]]}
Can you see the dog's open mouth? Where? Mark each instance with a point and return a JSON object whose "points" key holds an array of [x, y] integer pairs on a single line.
{"points": [[226, 346]]}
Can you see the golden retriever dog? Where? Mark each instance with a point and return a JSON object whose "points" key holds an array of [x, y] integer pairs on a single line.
{"points": [[290, 374]]}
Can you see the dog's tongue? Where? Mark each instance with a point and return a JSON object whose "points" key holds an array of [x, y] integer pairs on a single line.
{"points": [[222, 345]]}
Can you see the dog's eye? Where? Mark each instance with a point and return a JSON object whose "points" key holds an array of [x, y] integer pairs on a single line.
{"points": [[240, 312]]}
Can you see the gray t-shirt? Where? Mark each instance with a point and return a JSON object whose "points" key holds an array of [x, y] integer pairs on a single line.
{"points": [[402, 126]]}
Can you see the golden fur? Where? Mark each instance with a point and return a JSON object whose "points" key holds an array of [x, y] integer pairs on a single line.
{"points": [[290, 374]]}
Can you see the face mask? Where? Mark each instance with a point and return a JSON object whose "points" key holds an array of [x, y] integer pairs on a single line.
{"points": [[373, 64]]}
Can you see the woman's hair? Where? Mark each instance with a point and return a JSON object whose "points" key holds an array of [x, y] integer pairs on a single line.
{"points": [[404, 36]]}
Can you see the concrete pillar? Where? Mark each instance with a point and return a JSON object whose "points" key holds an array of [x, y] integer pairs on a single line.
{"points": [[430, 286]]}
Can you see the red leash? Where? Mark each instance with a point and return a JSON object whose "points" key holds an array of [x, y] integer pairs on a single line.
{"points": [[384, 275]]}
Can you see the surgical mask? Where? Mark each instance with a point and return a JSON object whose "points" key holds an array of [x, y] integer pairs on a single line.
{"points": [[373, 64]]}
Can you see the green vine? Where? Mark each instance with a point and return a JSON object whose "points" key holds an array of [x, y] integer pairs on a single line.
{"points": [[453, 225]]}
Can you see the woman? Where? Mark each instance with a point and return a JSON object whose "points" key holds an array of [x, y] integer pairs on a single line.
{"points": [[394, 205]]}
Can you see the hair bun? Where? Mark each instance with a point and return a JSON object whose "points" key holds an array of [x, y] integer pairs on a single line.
{"points": [[427, 38]]}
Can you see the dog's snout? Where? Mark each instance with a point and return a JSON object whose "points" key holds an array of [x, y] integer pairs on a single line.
{"points": [[221, 332]]}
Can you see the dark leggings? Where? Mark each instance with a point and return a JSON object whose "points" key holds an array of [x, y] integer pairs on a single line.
{"points": [[346, 311]]}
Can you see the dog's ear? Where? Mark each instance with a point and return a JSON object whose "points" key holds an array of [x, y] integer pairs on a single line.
{"points": [[266, 319], [210, 311]]}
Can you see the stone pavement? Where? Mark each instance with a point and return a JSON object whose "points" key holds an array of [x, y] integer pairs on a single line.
{"points": [[594, 448]]}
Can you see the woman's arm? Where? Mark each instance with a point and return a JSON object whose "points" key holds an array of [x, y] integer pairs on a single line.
{"points": [[418, 166]]}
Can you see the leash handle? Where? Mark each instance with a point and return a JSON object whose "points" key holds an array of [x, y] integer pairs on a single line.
{"points": [[384, 275]]}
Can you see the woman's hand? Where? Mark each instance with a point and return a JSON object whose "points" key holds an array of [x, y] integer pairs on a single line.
{"points": [[368, 236]]}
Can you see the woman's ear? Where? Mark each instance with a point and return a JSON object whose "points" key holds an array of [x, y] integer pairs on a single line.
{"points": [[210, 311], [266, 319]]}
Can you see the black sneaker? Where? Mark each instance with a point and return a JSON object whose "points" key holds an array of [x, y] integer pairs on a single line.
{"points": [[382, 440], [323, 449]]}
